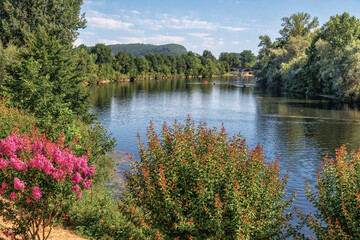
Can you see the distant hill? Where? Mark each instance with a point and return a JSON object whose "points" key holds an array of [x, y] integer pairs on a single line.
{"points": [[139, 49]]}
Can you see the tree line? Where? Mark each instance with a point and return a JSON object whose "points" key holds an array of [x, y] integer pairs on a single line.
{"points": [[99, 63], [311, 59]]}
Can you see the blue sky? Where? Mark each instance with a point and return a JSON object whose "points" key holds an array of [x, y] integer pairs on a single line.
{"points": [[215, 25]]}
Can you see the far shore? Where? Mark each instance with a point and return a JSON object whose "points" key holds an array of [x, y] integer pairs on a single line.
{"points": [[104, 81]]}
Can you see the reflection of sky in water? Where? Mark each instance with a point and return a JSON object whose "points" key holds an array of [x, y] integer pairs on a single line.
{"points": [[298, 131]]}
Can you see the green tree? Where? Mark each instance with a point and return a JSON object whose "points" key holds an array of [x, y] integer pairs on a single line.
{"points": [[341, 30], [348, 81], [247, 58], [207, 54], [297, 25], [106, 72], [102, 52], [332, 65], [9, 60], [223, 67], [47, 83], [172, 61], [20, 20], [181, 64], [142, 65], [280, 63], [231, 58], [85, 63]]}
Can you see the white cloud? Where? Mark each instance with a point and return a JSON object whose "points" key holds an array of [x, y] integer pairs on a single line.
{"points": [[135, 12], [157, 39], [90, 33], [108, 23], [234, 29], [78, 42], [208, 43], [93, 13], [94, 3], [186, 23], [199, 35], [108, 42], [235, 42]]}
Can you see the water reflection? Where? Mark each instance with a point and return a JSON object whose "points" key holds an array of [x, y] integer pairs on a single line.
{"points": [[298, 130]]}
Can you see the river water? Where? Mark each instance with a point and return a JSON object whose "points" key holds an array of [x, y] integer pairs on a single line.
{"points": [[298, 130]]}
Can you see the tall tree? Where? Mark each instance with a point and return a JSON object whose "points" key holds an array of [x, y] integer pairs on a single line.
{"points": [[19, 20], [103, 53], [298, 24], [207, 54], [247, 58], [231, 58], [47, 83], [341, 30]]}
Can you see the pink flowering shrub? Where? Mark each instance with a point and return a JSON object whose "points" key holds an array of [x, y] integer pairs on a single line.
{"points": [[36, 177]]}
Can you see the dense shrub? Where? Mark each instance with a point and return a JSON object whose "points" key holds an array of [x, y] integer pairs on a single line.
{"points": [[97, 216], [11, 117], [198, 183], [337, 198], [37, 176]]}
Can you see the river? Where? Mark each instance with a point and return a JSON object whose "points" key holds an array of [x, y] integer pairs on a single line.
{"points": [[298, 130]]}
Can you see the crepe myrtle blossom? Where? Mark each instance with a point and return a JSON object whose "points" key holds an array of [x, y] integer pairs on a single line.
{"points": [[18, 185], [36, 193], [36, 172], [51, 159]]}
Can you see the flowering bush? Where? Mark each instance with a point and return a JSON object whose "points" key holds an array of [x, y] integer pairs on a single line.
{"points": [[198, 183], [337, 198], [36, 176]]}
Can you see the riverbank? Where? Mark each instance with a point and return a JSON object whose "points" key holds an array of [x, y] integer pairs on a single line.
{"points": [[104, 81]]}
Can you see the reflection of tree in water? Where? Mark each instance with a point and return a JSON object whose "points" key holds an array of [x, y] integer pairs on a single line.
{"points": [[300, 132], [101, 96], [307, 129]]}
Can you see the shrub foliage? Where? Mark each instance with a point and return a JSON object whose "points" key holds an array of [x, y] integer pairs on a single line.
{"points": [[337, 198], [195, 182]]}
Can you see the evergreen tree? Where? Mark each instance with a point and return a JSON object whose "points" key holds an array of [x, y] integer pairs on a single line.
{"points": [[20, 20], [47, 83]]}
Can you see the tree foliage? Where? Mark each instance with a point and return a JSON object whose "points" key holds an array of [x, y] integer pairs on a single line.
{"points": [[47, 84], [102, 52], [140, 50], [247, 58], [20, 20], [297, 25], [310, 60]]}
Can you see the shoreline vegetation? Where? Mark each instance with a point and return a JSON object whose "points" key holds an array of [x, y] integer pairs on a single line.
{"points": [[191, 181], [100, 81], [100, 65], [314, 60]]}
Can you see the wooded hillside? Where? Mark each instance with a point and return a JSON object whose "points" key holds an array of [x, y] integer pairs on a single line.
{"points": [[139, 49]]}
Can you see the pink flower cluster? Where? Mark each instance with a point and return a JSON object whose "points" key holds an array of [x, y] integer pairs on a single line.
{"points": [[3, 186], [36, 193], [18, 185], [53, 159]]}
